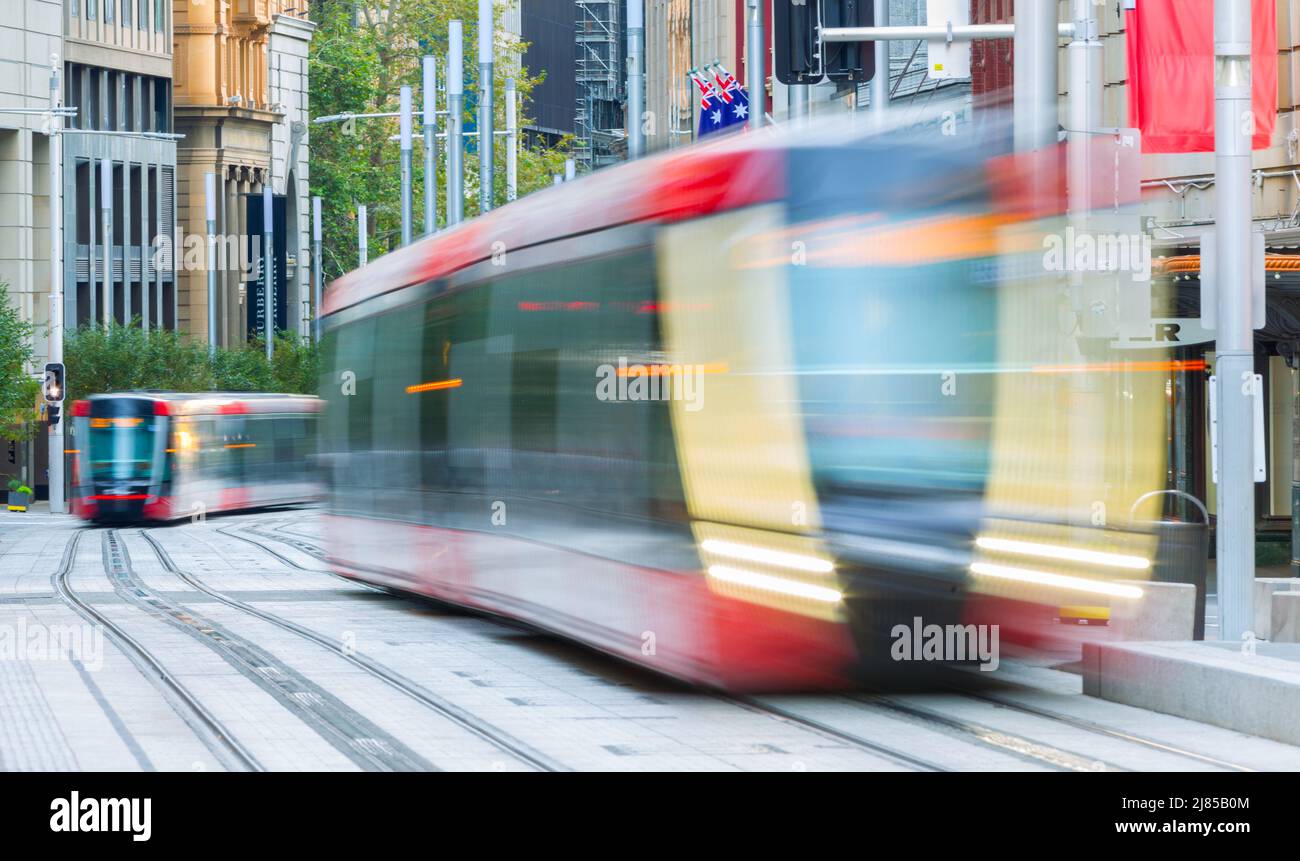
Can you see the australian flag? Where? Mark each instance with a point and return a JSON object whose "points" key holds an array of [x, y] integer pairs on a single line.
{"points": [[723, 102]]}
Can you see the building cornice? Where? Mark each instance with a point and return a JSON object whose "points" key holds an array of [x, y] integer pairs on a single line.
{"points": [[225, 112], [91, 53], [288, 25]]}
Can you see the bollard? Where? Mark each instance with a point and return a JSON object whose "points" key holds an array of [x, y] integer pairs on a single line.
{"points": [[1264, 589], [1166, 611]]}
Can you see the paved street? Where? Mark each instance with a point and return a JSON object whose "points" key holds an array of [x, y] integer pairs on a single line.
{"points": [[227, 645]]}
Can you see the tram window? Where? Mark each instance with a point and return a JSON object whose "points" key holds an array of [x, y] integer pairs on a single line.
{"points": [[259, 454], [122, 447]]}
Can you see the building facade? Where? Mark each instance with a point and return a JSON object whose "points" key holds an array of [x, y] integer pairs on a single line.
{"points": [[29, 35], [600, 76], [547, 26], [241, 102], [118, 75]]}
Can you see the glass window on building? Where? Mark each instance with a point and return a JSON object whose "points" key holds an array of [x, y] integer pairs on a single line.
{"points": [[158, 15], [108, 10]]}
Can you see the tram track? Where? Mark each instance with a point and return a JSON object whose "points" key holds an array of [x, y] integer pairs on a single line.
{"points": [[310, 549], [824, 729], [495, 736], [1017, 746], [354, 736], [223, 745], [975, 732], [1101, 729]]}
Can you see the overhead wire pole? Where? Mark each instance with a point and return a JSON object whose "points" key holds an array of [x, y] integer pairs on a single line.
{"points": [[455, 111], [56, 453], [1083, 120], [106, 224], [429, 95], [635, 78], [512, 141], [210, 210], [363, 247], [268, 268], [880, 80], [485, 117], [405, 110], [1235, 385], [317, 264], [1034, 79], [755, 73]]}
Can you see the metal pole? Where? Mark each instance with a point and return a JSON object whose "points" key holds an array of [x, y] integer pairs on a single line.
{"points": [[1234, 365], [755, 75], [406, 164], [485, 118], [880, 81], [1084, 106], [429, 94], [268, 268], [796, 102], [635, 78], [56, 455], [1035, 112], [106, 224], [317, 273], [455, 109], [957, 32], [210, 190], [512, 141], [363, 250]]}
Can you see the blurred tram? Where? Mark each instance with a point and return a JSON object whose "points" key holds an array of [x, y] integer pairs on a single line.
{"points": [[161, 455], [730, 413]]}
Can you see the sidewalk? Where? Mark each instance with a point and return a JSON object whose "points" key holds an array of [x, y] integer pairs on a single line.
{"points": [[37, 514]]}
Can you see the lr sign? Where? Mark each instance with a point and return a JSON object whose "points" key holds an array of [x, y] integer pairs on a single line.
{"points": [[1169, 332]]}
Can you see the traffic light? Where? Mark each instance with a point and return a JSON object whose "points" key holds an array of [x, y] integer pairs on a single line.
{"points": [[794, 37], [52, 414], [799, 55], [849, 61], [53, 383]]}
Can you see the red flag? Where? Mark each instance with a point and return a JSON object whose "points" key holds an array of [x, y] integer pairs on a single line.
{"points": [[1171, 73]]}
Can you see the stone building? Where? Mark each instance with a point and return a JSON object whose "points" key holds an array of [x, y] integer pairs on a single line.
{"points": [[118, 75], [29, 34], [241, 102]]}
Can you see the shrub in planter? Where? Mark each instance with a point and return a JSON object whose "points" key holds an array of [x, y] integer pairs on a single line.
{"points": [[20, 495]]}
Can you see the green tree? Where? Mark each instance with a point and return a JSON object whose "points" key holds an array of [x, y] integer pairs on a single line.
{"points": [[362, 53], [17, 388], [125, 358]]}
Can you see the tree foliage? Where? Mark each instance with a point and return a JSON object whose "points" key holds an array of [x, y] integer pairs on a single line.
{"points": [[18, 389], [126, 358], [362, 53]]}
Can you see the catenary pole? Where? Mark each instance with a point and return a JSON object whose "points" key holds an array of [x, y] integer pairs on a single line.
{"points": [[405, 102], [429, 95], [210, 211], [635, 78], [455, 111], [755, 72], [512, 141], [1234, 366], [485, 115], [56, 453]]}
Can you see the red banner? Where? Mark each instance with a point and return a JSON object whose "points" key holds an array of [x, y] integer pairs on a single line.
{"points": [[1171, 73]]}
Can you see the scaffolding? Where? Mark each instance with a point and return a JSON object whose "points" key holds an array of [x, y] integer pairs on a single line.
{"points": [[599, 126]]}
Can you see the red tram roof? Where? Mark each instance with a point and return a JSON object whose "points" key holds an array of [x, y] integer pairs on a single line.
{"points": [[705, 178]]}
